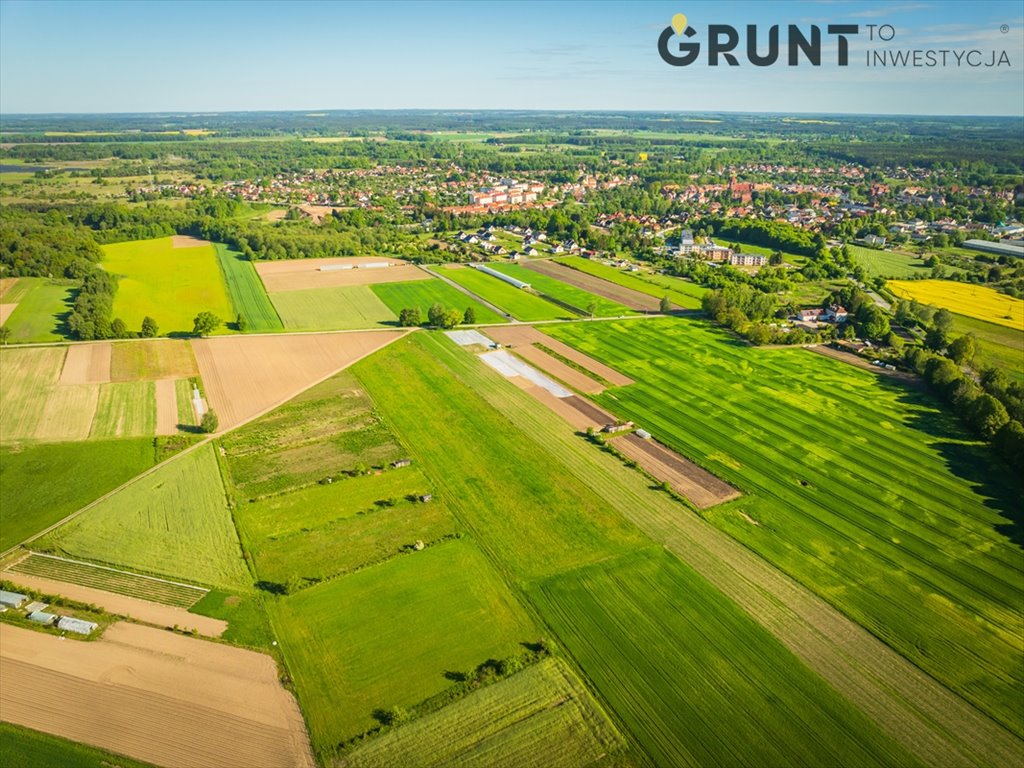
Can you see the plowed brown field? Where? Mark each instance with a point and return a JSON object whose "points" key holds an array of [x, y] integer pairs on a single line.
{"points": [[245, 376], [299, 274], [166, 407], [155, 696], [686, 478], [87, 364], [186, 241]]}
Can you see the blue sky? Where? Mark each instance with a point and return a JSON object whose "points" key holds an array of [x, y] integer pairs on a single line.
{"points": [[153, 56]]}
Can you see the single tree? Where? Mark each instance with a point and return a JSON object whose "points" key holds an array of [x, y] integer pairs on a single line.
{"points": [[451, 318], [118, 329], [665, 306], [935, 339], [209, 422], [469, 316], [241, 323], [410, 316], [149, 327], [943, 320], [5, 334], [962, 349], [435, 315], [206, 323]]}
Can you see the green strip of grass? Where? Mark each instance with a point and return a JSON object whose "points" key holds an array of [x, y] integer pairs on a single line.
{"points": [[517, 302], [247, 293]]}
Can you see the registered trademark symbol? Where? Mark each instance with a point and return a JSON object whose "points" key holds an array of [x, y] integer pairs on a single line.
{"points": [[1004, 28]]}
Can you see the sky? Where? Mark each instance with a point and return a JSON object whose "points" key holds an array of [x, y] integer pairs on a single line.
{"points": [[211, 56]]}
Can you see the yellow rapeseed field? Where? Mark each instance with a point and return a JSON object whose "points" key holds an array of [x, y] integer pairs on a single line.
{"points": [[964, 299]]}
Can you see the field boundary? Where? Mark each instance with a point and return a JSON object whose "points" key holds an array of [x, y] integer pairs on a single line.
{"points": [[33, 553]]}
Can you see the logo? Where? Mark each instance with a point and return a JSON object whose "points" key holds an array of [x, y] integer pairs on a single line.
{"points": [[723, 40]]}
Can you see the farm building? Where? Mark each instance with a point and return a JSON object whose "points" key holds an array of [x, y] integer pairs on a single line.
{"points": [[612, 428], [401, 463], [643, 434], [12, 599], [42, 617], [500, 276], [35, 605], [78, 626], [1000, 249]]}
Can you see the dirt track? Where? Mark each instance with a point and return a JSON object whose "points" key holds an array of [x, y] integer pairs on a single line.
{"points": [[300, 274], [518, 335], [246, 375], [608, 290], [696, 484], [122, 605], [152, 695]]}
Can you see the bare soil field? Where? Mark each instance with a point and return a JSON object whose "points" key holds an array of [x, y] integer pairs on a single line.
{"points": [[300, 274], [516, 335], [186, 241], [166, 407], [6, 283], [625, 296], [122, 605], [277, 214], [698, 485], [6, 310], [245, 376], [552, 365], [153, 695], [87, 364], [579, 413]]}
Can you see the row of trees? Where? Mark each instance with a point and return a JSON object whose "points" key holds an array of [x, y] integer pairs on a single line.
{"points": [[437, 317]]}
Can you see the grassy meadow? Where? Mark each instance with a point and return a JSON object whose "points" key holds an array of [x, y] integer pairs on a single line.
{"points": [[886, 263], [151, 360], [515, 301], [863, 490], [248, 296], [441, 610], [425, 293], [174, 522], [977, 301], [563, 292], [171, 285], [40, 484], [997, 345], [339, 308], [42, 307]]}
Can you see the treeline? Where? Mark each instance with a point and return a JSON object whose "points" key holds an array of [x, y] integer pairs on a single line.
{"points": [[770, 234], [44, 245]]}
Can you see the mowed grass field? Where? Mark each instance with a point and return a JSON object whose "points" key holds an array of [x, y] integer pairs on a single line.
{"points": [[151, 360], [521, 304], [247, 293], [569, 294], [977, 301], [386, 636], [696, 680], [171, 285], [339, 308], [999, 346], [322, 531], [680, 292], [863, 490], [886, 263], [40, 484], [42, 308], [174, 522], [425, 293], [542, 717], [25, 747]]}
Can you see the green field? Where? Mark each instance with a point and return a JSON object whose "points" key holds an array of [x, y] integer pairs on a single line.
{"points": [[424, 293], [117, 581], [517, 302], [29, 376], [325, 530], [546, 522], [125, 409], [861, 489], [998, 346], [31, 749], [339, 308], [247, 293], [886, 263], [171, 285], [174, 522], [40, 484], [42, 307], [674, 658], [386, 636], [541, 717], [328, 430], [563, 292], [683, 294]]}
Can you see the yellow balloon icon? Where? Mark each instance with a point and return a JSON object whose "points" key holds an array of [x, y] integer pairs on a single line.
{"points": [[679, 23]]}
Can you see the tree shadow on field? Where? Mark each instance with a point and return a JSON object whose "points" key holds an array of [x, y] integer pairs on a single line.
{"points": [[965, 457]]}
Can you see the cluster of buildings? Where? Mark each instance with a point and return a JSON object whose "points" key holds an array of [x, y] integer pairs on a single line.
{"points": [[36, 612], [833, 314], [507, 192], [709, 251]]}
